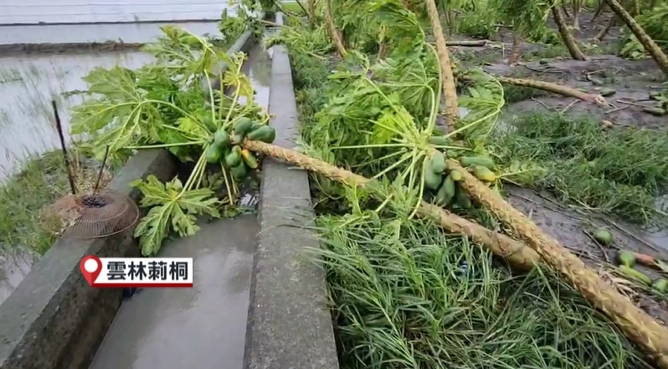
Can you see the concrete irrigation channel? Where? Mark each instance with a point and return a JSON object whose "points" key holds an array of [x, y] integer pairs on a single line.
{"points": [[256, 301]]}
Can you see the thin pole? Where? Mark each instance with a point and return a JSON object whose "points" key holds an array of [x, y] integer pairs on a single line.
{"points": [[66, 157], [99, 174]]}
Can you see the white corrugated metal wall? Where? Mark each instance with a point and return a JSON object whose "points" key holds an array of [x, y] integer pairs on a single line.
{"points": [[94, 11]]}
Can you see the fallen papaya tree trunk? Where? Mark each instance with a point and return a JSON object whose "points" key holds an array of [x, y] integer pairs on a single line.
{"points": [[449, 85], [638, 325], [516, 253], [554, 88], [650, 46], [334, 33]]}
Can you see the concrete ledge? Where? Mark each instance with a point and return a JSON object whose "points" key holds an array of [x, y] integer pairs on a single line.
{"points": [[290, 326], [54, 320]]}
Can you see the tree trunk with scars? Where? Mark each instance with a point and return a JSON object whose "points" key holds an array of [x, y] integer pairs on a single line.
{"points": [[449, 86], [517, 254], [333, 32], [599, 10], [650, 46], [515, 51], [608, 27], [637, 324], [566, 36], [577, 5]]}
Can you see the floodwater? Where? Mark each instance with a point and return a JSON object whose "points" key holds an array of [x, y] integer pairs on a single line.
{"points": [[13, 268], [28, 83], [199, 327]]}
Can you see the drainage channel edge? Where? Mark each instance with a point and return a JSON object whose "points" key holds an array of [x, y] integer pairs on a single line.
{"points": [[289, 323]]}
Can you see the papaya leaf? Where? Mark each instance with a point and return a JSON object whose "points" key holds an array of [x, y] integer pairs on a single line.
{"points": [[172, 210]]}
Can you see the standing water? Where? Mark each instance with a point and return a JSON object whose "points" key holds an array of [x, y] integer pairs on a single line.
{"points": [[28, 84]]}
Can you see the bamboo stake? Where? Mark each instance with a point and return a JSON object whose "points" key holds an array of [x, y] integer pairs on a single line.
{"points": [[638, 325], [517, 254]]}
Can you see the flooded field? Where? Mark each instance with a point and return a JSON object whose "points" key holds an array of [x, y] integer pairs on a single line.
{"points": [[28, 84]]}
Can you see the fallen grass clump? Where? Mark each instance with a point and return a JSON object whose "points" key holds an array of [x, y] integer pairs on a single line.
{"points": [[618, 171], [406, 295]]}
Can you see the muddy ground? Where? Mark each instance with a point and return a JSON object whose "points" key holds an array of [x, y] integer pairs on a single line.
{"points": [[632, 80]]}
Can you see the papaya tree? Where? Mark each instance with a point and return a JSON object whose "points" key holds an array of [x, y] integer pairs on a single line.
{"points": [[648, 44], [565, 33], [529, 17]]}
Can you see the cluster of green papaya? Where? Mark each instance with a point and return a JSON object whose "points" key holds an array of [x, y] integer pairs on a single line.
{"points": [[443, 180], [226, 148]]}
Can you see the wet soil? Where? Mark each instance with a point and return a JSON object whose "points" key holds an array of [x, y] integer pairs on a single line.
{"points": [[574, 229], [632, 81]]}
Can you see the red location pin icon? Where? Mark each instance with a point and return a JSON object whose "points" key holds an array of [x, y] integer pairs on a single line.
{"points": [[91, 267]]}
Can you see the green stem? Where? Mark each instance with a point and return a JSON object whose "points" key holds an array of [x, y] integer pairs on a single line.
{"points": [[234, 99], [213, 104], [436, 101], [145, 147], [392, 167], [196, 173], [368, 146]]}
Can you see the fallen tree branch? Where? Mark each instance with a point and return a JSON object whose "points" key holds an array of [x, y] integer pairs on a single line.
{"points": [[638, 325], [555, 88], [467, 43], [517, 254], [606, 29]]}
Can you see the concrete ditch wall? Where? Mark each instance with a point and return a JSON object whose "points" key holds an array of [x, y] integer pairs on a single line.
{"points": [[289, 326], [54, 320]]}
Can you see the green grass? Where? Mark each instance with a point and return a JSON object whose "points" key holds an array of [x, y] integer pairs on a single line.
{"points": [[402, 298], [292, 7], [616, 171], [41, 181]]}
